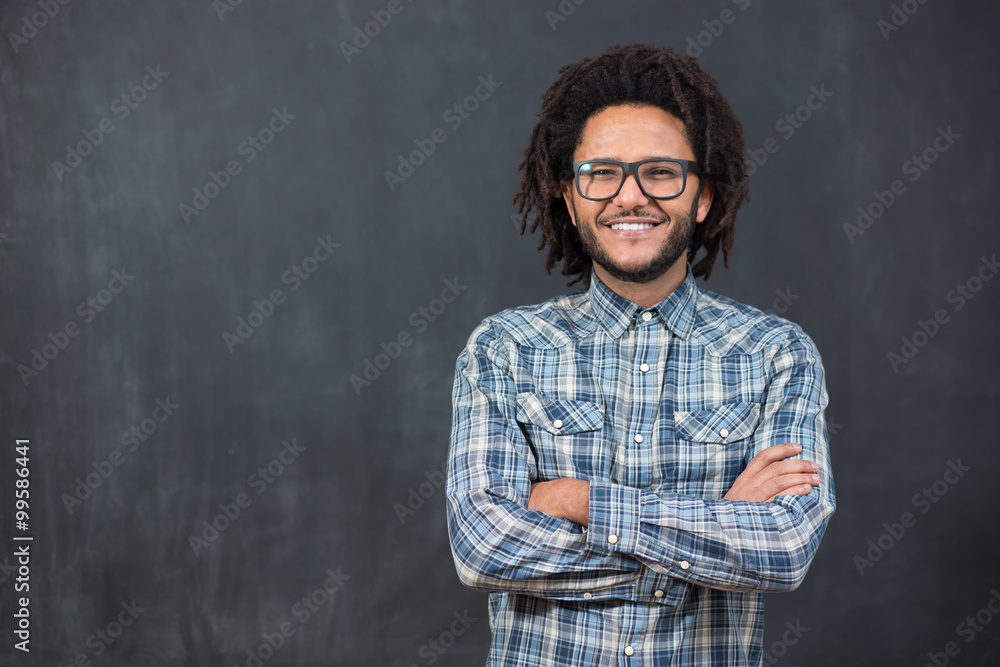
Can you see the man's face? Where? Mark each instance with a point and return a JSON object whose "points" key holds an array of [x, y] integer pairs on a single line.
{"points": [[628, 134]]}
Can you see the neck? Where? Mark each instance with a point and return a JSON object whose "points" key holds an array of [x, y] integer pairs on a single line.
{"points": [[649, 293]]}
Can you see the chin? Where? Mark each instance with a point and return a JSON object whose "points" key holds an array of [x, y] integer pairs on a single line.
{"points": [[643, 273]]}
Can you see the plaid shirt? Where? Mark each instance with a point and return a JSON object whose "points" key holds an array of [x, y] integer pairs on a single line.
{"points": [[660, 409]]}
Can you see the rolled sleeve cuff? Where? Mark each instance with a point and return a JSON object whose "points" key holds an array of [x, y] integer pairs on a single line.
{"points": [[614, 517]]}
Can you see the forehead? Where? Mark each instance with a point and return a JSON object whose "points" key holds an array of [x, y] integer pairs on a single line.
{"points": [[627, 133]]}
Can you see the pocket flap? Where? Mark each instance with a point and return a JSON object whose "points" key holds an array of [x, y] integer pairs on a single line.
{"points": [[723, 424], [559, 416]]}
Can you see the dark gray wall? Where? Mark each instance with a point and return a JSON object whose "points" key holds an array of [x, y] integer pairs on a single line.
{"points": [[361, 452]]}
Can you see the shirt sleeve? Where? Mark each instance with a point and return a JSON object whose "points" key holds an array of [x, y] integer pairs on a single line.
{"points": [[497, 543], [735, 545]]}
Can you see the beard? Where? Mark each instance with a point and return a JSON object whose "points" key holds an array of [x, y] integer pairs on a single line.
{"points": [[677, 242]]}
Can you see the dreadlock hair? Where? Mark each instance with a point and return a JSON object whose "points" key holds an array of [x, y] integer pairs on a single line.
{"points": [[635, 74]]}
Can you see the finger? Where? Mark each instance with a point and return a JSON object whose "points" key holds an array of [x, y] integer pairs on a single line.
{"points": [[780, 468], [779, 485], [801, 490], [792, 466], [773, 454], [773, 478]]}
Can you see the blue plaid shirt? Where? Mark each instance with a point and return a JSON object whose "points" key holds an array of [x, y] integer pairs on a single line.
{"points": [[660, 409]]}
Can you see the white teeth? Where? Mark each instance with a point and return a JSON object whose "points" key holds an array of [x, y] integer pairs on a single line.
{"points": [[631, 226]]}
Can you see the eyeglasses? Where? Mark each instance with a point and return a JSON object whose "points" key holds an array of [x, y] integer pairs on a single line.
{"points": [[658, 178]]}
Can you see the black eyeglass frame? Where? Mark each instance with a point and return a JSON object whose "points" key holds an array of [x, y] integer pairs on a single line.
{"points": [[632, 168]]}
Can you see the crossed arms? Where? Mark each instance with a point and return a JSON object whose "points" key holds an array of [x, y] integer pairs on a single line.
{"points": [[566, 537]]}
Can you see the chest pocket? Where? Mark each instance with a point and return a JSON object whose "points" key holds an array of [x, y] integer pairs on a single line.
{"points": [[711, 447], [566, 437]]}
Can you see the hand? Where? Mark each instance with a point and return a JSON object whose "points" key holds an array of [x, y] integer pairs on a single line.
{"points": [[769, 475], [563, 498]]}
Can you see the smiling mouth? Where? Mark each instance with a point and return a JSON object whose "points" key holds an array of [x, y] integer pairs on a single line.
{"points": [[634, 223], [632, 226]]}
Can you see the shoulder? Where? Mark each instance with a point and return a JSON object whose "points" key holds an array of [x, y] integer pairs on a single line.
{"points": [[552, 323], [726, 326]]}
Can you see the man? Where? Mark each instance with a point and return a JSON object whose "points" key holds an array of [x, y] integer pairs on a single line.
{"points": [[633, 465]]}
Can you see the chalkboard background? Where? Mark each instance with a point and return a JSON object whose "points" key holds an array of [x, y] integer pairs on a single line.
{"points": [[163, 387]]}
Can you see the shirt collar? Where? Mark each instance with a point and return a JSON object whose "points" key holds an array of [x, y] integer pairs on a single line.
{"points": [[616, 313]]}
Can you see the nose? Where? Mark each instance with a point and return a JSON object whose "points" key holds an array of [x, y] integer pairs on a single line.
{"points": [[630, 194]]}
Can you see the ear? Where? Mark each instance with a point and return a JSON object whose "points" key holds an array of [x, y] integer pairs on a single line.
{"points": [[567, 193], [705, 200]]}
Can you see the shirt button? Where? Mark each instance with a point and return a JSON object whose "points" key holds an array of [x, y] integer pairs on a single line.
{"points": [[638, 437], [685, 565], [724, 433], [588, 595], [647, 316], [558, 424], [643, 367], [612, 539], [629, 650], [658, 594]]}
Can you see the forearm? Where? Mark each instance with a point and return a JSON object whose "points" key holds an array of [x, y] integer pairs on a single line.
{"points": [[498, 545], [730, 545]]}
